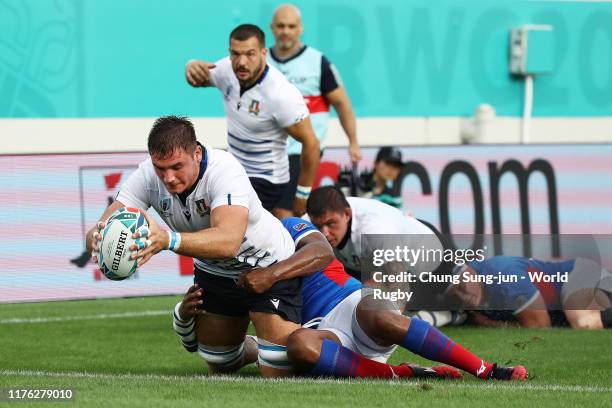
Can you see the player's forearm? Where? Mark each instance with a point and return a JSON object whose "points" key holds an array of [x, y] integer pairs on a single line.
{"points": [[309, 161], [309, 259], [347, 120], [211, 243]]}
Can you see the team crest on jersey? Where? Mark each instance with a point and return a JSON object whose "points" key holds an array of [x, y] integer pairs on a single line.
{"points": [[165, 203], [254, 107], [202, 208], [299, 227]]}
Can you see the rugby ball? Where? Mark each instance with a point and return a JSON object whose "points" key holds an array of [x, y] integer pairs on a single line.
{"points": [[114, 260]]}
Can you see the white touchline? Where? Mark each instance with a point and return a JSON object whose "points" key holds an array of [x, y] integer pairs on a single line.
{"points": [[87, 317], [514, 386]]}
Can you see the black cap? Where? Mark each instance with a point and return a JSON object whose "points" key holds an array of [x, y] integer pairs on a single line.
{"points": [[389, 155]]}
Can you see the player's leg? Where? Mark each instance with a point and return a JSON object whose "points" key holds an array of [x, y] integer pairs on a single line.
{"points": [[186, 330], [441, 318], [584, 319], [223, 344], [321, 353], [587, 295], [272, 334], [332, 350], [220, 324], [183, 318], [384, 325], [593, 313], [304, 348], [276, 314], [284, 208]]}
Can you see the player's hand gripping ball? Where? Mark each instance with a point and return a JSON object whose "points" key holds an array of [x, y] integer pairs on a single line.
{"points": [[115, 256]]}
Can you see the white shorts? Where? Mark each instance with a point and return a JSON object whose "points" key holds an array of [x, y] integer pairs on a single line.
{"points": [[342, 321]]}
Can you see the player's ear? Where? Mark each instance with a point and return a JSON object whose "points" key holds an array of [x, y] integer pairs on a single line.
{"points": [[198, 153], [348, 212]]}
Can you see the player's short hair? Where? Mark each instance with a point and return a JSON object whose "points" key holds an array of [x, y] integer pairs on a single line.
{"points": [[245, 31], [170, 133], [328, 198]]}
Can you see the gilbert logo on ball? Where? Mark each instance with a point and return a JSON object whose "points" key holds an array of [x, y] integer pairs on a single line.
{"points": [[114, 260]]}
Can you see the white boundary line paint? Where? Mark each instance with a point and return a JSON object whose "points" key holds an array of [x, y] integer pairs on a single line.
{"points": [[520, 387], [89, 317], [29, 373]]}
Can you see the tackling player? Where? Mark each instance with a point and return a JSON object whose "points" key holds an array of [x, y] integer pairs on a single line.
{"points": [[262, 109], [346, 221], [534, 293], [356, 334], [214, 215]]}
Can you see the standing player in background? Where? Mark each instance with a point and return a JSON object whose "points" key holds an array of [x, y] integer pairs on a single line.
{"points": [[214, 215], [318, 81], [262, 109]]}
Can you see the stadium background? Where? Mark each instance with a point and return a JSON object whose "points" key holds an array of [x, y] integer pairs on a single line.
{"points": [[81, 82]]}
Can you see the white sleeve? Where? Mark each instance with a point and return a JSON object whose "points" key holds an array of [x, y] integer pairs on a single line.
{"points": [[134, 191], [220, 72], [290, 107], [230, 185]]}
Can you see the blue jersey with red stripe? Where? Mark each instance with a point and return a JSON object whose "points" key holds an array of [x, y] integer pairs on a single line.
{"points": [[515, 296], [323, 290]]}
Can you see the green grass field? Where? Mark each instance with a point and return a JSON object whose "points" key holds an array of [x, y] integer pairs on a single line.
{"points": [[124, 353]]}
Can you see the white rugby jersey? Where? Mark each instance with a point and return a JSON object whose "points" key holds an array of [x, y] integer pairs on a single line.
{"points": [[256, 120], [222, 181], [374, 217]]}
